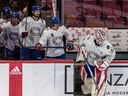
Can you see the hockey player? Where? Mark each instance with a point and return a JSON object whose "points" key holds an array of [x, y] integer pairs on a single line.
{"points": [[11, 37], [5, 15], [5, 18], [94, 72], [31, 30], [15, 7], [52, 38]]}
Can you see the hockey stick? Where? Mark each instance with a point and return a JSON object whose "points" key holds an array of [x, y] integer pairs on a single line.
{"points": [[33, 47], [93, 78], [54, 8], [23, 40], [53, 14], [91, 57]]}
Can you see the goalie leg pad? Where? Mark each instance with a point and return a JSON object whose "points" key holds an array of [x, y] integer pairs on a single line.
{"points": [[101, 84]]}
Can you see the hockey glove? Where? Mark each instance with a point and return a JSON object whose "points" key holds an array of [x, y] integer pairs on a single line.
{"points": [[98, 62], [70, 45], [17, 48], [39, 47], [103, 66], [24, 34]]}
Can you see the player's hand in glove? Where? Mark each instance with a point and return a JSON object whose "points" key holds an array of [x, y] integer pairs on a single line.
{"points": [[103, 66], [17, 47], [24, 34], [39, 47], [98, 62], [70, 45]]}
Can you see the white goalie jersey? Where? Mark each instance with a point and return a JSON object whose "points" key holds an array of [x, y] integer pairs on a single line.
{"points": [[106, 52]]}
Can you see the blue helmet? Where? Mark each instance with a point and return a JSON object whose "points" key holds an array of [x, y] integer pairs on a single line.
{"points": [[36, 7], [15, 15], [6, 10], [55, 20]]}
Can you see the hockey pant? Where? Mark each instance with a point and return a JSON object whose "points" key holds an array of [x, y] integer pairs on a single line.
{"points": [[9, 54], [31, 54], [89, 86]]}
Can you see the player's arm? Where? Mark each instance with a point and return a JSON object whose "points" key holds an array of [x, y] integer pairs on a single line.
{"points": [[2, 26], [67, 33], [4, 36], [82, 51], [68, 36], [44, 26], [3, 33], [107, 60], [110, 57], [42, 41]]}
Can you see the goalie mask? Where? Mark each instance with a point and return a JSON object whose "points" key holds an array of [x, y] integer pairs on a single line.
{"points": [[100, 36]]}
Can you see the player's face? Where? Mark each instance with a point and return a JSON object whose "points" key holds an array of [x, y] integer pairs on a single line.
{"points": [[56, 26], [6, 16], [14, 5], [36, 13], [14, 21], [100, 39]]}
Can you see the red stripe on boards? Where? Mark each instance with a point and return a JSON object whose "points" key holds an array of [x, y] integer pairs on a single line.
{"points": [[15, 79]]}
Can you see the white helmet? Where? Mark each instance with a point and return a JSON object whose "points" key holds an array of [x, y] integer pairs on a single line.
{"points": [[100, 35]]}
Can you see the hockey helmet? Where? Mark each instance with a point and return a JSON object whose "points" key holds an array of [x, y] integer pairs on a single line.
{"points": [[100, 35], [6, 10], [15, 15], [36, 7], [55, 20]]}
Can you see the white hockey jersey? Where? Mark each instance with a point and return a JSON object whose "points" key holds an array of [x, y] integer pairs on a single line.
{"points": [[54, 38], [3, 23], [104, 51], [34, 29], [11, 36]]}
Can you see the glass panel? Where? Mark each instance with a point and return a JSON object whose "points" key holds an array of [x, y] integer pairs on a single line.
{"points": [[96, 13]]}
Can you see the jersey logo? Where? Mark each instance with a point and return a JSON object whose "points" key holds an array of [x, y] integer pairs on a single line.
{"points": [[35, 31], [57, 40], [13, 36]]}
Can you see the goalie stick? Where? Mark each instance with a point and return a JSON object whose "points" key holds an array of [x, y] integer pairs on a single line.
{"points": [[92, 56]]}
